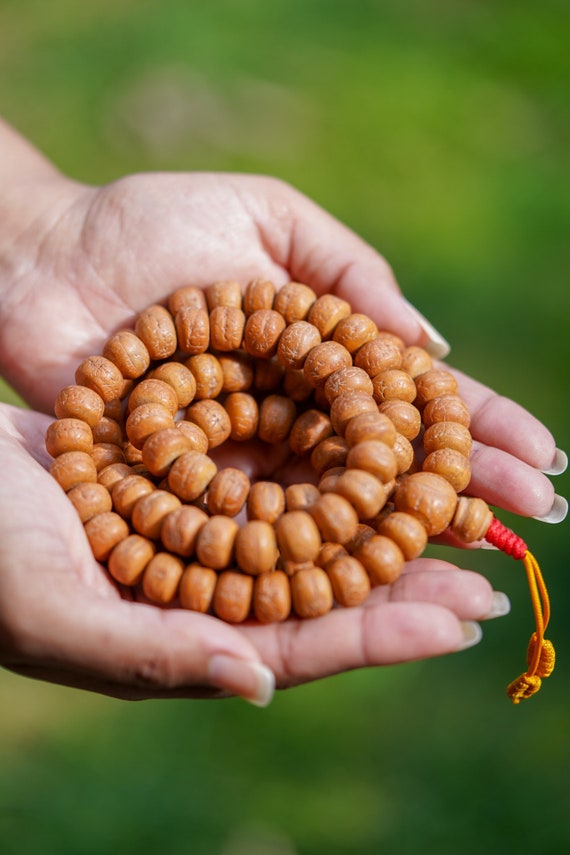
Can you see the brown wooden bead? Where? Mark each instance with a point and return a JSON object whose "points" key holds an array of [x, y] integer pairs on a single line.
{"points": [[237, 371], [79, 402], [405, 416], [259, 294], [228, 492], [294, 301], [335, 517], [430, 498], [416, 361], [300, 497], [188, 295], [104, 531], [129, 558], [180, 529], [190, 475], [354, 331], [298, 537], [347, 406], [90, 499], [311, 593], [197, 586], [128, 352], [126, 493], [155, 327], [215, 542], [262, 331], [108, 430], [208, 375], [328, 453], [382, 559], [404, 451], [310, 428], [227, 325], [272, 597], [226, 292], [266, 501], [276, 416], [193, 330], [150, 511], [146, 420], [380, 354], [446, 408], [72, 468], [471, 520], [451, 465], [68, 435], [256, 547], [102, 376], [162, 448], [213, 419], [154, 391], [345, 380], [448, 435], [112, 474], [233, 596], [323, 360], [161, 578], [194, 433], [104, 454], [433, 384], [295, 343], [180, 378], [243, 413], [296, 385], [370, 426], [363, 490], [327, 312], [393, 384], [406, 531], [375, 457], [349, 580]]}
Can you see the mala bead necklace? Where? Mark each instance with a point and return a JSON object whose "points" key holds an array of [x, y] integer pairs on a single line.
{"points": [[384, 430]]}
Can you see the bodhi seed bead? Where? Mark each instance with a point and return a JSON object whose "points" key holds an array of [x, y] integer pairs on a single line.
{"points": [[155, 327], [416, 361], [233, 596], [406, 531], [363, 490], [329, 453], [90, 499], [296, 386], [446, 408], [335, 517], [295, 343], [227, 324], [226, 292], [150, 511], [243, 413], [198, 439], [114, 409], [323, 360], [348, 405], [375, 457], [237, 371], [378, 355], [259, 294], [79, 402], [208, 375], [452, 465], [162, 448], [300, 497], [161, 578], [104, 454], [154, 391], [256, 547], [108, 430], [129, 558], [276, 416], [404, 451], [433, 384], [190, 475], [405, 416], [393, 384], [262, 332], [363, 532], [311, 592], [310, 428], [102, 376], [113, 473], [68, 435], [429, 498], [126, 493], [348, 379], [298, 537], [192, 330], [133, 455], [326, 313], [266, 501], [228, 492], [213, 419], [72, 468], [471, 520], [382, 559], [354, 331], [197, 586], [370, 425], [329, 479], [272, 597], [104, 531], [349, 580], [128, 352], [447, 435], [180, 529], [180, 378], [188, 295], [146, 420], [294, 301], [329, 552], [215, 542]]}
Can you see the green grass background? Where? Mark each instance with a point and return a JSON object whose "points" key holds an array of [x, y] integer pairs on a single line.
{"points": [[439, 131]]}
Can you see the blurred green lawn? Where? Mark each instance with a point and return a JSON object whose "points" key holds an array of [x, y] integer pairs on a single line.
{"points": [[439, 131]]}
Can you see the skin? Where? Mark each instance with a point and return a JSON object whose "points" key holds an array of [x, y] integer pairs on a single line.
{"points": [[76, 264]]}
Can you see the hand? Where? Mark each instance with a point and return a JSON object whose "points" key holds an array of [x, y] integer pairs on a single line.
{"points": [[105, 254]]}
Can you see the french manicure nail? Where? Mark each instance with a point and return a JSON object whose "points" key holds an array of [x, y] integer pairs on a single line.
{"points": [[559, 463], [252, 681], [500, 606], [472, 634], [436, 345], [557, 512]]}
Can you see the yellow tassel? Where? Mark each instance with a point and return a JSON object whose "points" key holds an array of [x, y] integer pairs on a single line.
{"points": [[541, 655]]}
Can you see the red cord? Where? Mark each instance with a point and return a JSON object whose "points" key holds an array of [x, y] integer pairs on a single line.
{"points": [[506, 540]]}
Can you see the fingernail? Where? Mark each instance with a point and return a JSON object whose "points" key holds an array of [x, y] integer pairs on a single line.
{"points": [[557, 512], [472, 634], [500, 606], [436, 345], [559, 463], [251, 681]]}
